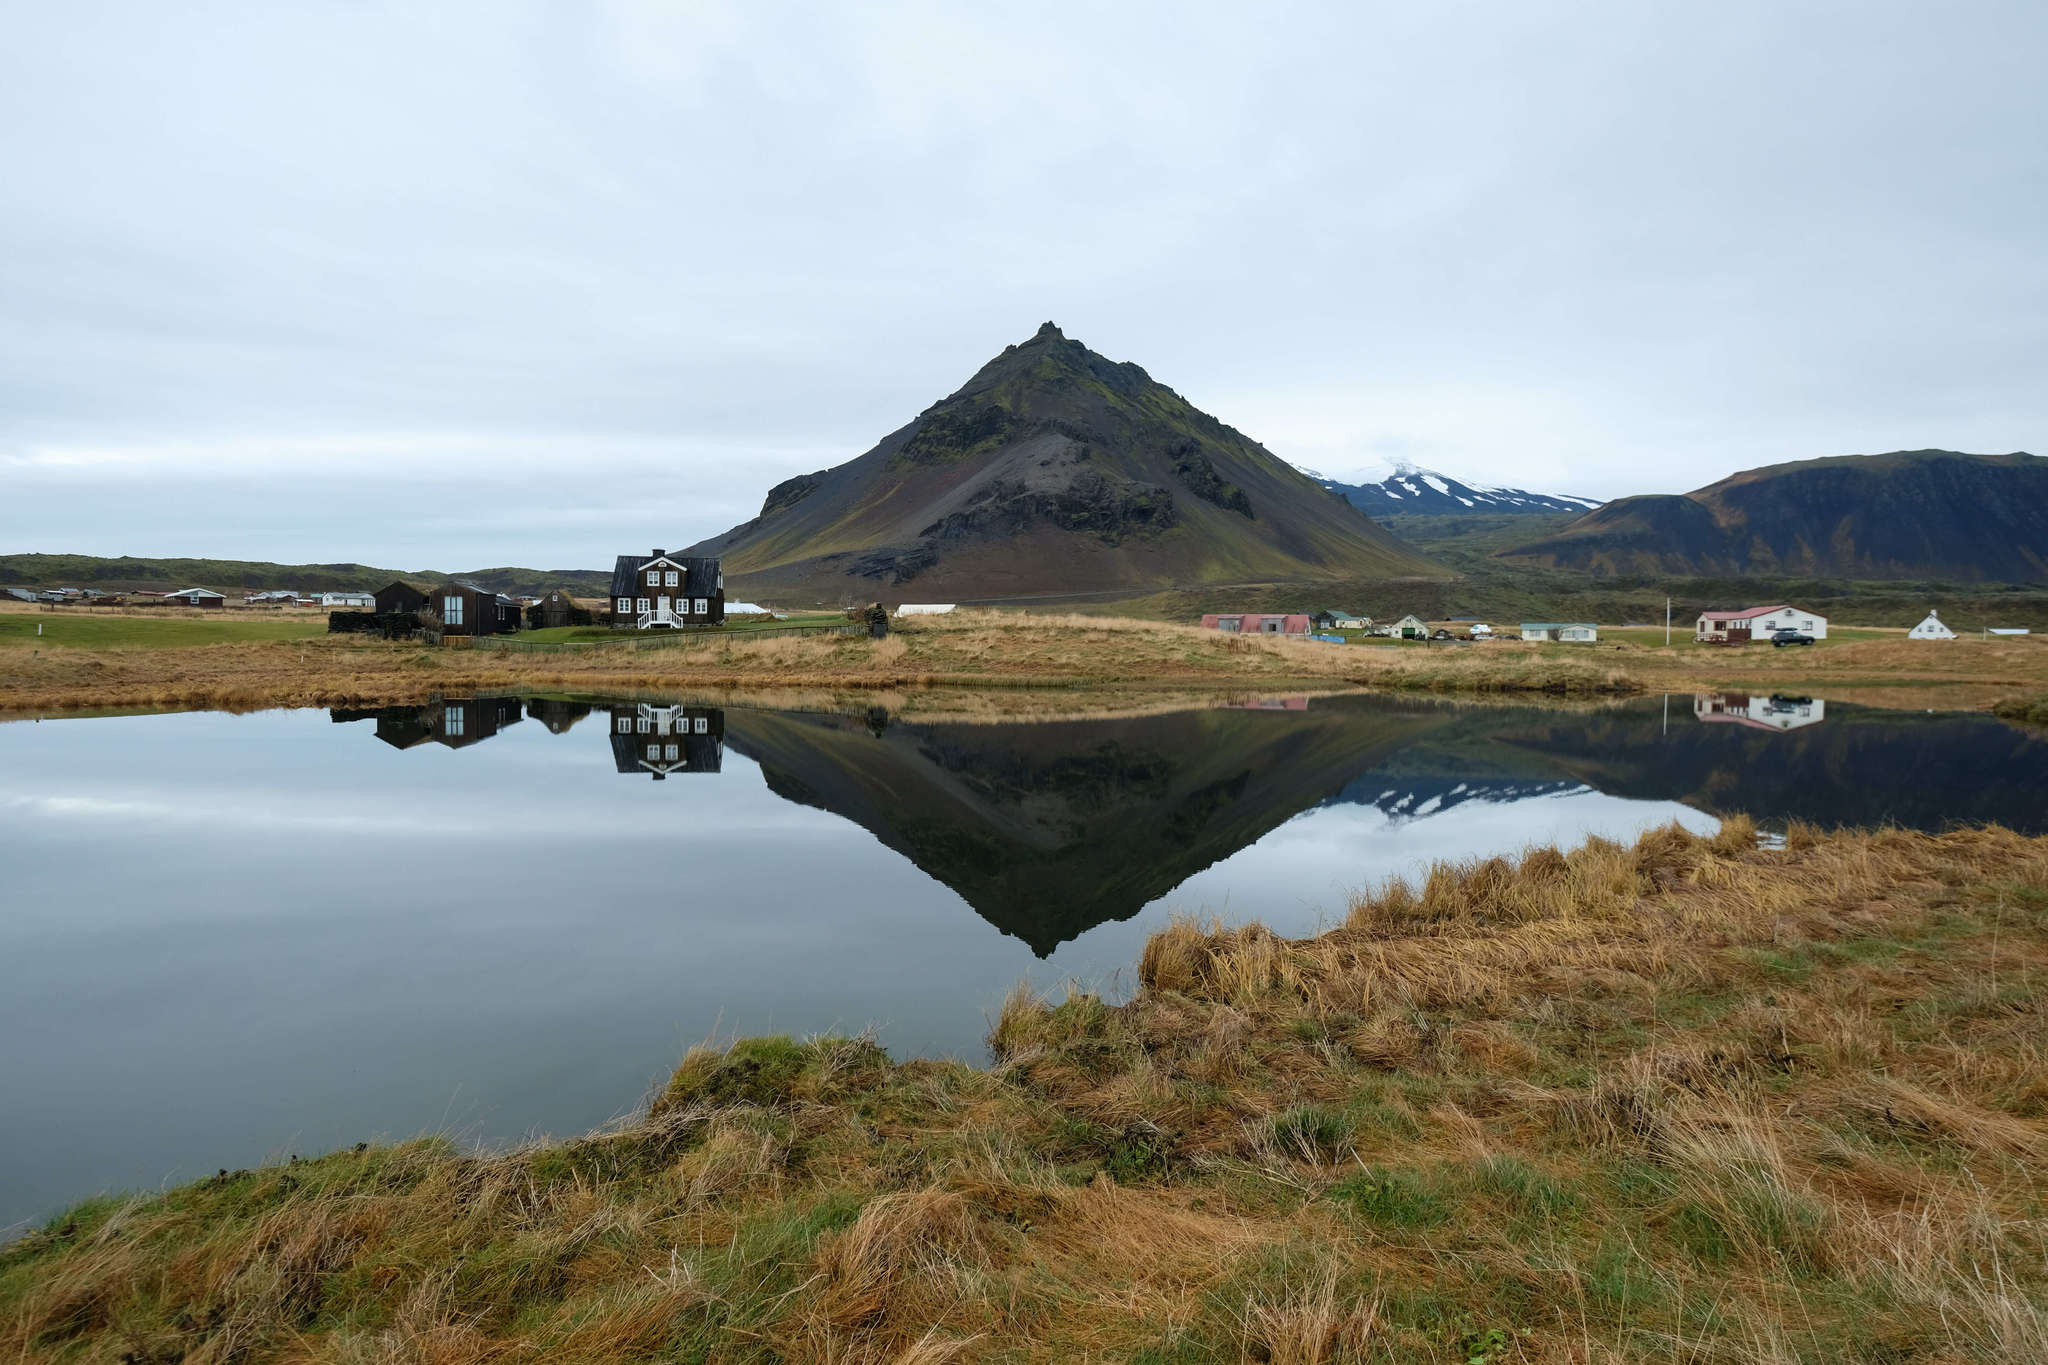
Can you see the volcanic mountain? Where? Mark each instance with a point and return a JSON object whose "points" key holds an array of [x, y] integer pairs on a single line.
{"points": [[1053, 471], [1909, 514], [1412, 490]]}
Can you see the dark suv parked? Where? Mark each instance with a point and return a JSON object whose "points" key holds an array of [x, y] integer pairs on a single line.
{"points": [[1779, 639]]}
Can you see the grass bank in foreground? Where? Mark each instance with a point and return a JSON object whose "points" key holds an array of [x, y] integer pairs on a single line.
{"points": [[994, 650], [1685, 1100]]}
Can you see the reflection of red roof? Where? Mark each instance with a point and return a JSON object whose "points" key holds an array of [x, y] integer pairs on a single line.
{"points": [[1742, 615]]}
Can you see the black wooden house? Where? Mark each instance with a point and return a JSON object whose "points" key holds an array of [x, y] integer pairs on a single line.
{"points": [[466, 609], [665, 591]]}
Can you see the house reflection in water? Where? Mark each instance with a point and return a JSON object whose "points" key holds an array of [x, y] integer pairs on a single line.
{"points": [[460, 721], [667, 739], [1776, 712], [646, 738]]}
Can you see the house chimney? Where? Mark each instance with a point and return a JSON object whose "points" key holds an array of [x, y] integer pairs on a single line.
{"points": [[657, 552]]}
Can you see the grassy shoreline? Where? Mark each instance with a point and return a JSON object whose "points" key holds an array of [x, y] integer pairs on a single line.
{"points": [[1682, 1100], [996, 651]]}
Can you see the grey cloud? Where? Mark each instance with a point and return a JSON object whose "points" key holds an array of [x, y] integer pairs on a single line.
{"points": [[1603, 248]]}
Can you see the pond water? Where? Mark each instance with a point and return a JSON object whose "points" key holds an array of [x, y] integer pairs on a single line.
{"points": [[225, 939]]}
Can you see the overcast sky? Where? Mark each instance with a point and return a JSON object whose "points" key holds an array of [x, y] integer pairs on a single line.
{"points": [[453, 286]]}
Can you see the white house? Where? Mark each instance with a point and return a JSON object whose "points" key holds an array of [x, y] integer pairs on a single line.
{"points": [[1572, 632], [924, 608], [1931, 629], [1779, 713], [1410, 628], [195, 597], [348, 599], [1757, 623]]}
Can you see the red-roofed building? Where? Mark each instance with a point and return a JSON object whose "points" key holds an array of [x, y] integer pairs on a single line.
{"points": [[1757, 623]]}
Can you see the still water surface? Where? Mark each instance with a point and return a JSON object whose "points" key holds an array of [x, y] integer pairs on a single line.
{"points": [[231, 938]]}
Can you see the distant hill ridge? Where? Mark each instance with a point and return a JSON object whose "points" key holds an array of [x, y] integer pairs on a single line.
{"points": [[1410, 489], [1932, 514], [1053, 470], [131, 574]]}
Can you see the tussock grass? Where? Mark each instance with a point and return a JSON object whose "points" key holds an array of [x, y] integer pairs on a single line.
{"points": [[1677, 1100]]}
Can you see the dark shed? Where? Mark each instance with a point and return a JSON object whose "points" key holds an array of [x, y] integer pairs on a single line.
{"points": [[398, 597], [557, 608]]}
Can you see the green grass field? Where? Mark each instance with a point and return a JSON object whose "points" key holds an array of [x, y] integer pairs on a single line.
{"points": [[64, 631]]}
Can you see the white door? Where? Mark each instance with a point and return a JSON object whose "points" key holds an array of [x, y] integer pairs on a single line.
{"points": [[662, 602]]}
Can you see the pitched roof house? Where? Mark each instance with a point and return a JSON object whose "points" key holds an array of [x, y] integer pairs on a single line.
{"points": [[1757, 623], [196, 597], [467, 609], [664, 590], [1931, 629]]}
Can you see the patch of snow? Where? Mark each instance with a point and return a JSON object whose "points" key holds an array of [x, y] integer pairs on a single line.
{"points": [[1438, 484], [1468, 502], [1392, 494]]}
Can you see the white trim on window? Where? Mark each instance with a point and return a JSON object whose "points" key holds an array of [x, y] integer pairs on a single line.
{"points": [[703, 605], [654, 578], [669, 578], [625, 604], [642, 603]]}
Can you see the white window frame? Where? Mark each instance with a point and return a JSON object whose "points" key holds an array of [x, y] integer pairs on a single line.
{"points": [[703, 605], [625, 604], [702, 725], [670, 578], [654, 578], [644, 725], [670, 753], [625, 725], [641, 602], [654, 753]]}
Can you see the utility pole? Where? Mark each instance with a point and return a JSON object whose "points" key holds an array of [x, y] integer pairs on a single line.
{"points": [[1667, 621]]}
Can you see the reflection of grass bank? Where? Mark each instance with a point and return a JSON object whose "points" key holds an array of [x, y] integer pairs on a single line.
{"points": [[987, 650], [1685, 1100]]}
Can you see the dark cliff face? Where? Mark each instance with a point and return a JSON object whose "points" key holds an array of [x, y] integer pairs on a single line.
{"points": [[1053, 469], [1910, 514]]}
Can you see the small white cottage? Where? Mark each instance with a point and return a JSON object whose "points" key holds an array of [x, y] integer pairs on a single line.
{"points": [[1931, 629]]}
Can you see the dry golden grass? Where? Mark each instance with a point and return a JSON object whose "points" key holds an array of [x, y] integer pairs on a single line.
{"points": [[1681, 1100], [993, 650]]}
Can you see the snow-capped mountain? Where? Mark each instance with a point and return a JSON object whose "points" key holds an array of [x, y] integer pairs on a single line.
{"points": [[1409, 489]]}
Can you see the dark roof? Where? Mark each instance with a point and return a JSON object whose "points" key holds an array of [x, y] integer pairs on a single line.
{"points": [[465, 583], [626, 571]]}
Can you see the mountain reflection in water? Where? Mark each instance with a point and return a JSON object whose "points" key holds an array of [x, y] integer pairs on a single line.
{"points": [[1048, 829], [495, 915]]}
